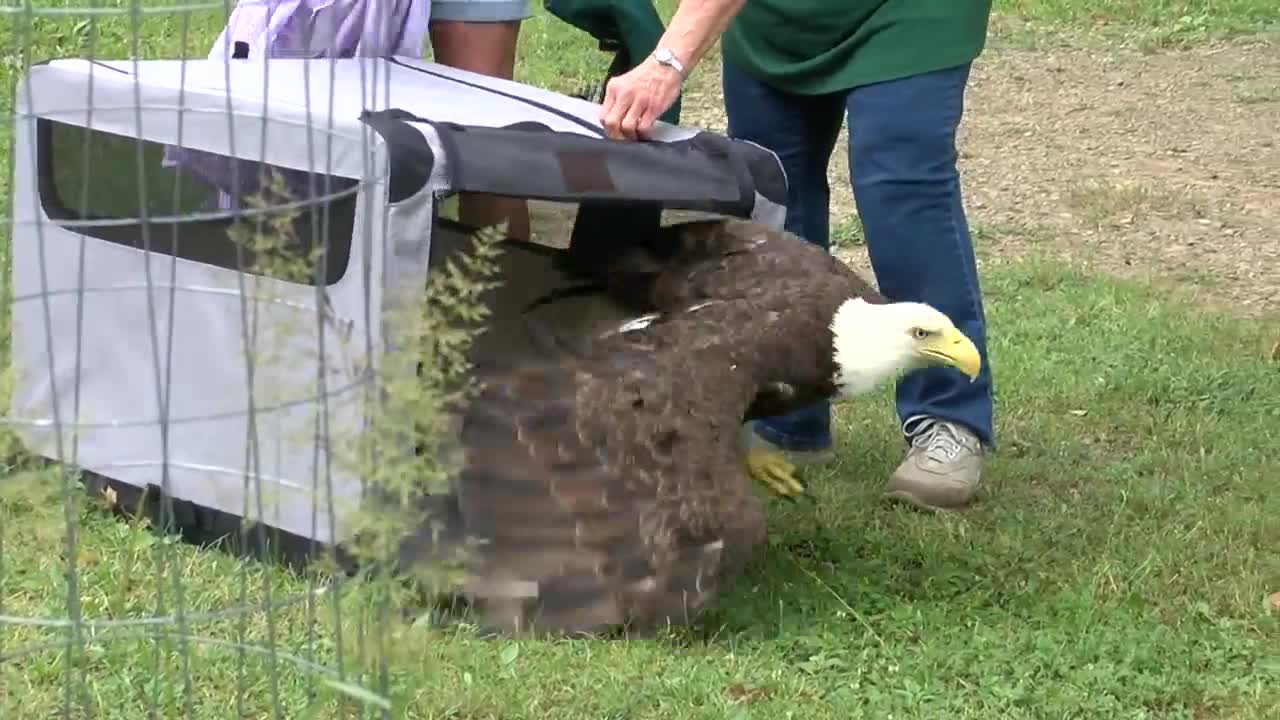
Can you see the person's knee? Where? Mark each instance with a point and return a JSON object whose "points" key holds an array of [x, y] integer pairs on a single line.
{"points": [[488, 48], [906, 130], [891, 147]]}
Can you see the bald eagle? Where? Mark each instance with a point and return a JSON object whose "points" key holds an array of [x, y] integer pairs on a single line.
{"points": [[735, 259], [603, 487]]}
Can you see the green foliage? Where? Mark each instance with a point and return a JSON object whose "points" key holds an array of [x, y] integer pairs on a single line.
{"points": [[268, 243], [409, 447], [405, 448], [401, 451], [847, 232]]}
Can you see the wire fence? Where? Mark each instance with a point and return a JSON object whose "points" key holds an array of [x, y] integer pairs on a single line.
{"points": [[190, 341]]}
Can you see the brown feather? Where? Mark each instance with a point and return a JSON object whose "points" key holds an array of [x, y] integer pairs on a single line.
{"points": [[611, 482], [726, 259], [605, 485]]}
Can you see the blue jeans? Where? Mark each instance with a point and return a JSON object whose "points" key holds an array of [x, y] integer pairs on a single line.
{"points": [[902, 160]]}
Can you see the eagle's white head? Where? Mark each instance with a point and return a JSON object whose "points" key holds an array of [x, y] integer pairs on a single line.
{"points": [[875, 343]]}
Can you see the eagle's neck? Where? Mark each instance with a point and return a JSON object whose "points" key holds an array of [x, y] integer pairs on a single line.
{"points": [[790, 365], [864, 346]]}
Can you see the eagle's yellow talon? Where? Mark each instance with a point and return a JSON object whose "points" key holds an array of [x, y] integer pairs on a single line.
{"points": [[772, 470]]}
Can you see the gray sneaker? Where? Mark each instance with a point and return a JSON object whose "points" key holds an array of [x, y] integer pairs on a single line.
{"points": [[942, 469]]}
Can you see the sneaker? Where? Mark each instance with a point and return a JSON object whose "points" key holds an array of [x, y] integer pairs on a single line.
{"points": [[942, 469]]}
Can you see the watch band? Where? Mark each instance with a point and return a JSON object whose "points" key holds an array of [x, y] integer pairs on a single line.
{"points": [[665, 57]]}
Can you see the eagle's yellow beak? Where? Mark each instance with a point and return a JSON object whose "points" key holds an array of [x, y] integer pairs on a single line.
{"points": [[954, 348]]}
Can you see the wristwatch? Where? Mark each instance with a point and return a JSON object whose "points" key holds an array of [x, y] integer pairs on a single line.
{"points": [[665, 57]]}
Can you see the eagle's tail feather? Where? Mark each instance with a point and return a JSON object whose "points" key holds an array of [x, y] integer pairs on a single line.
{"points": [[587, 602], [436, 542], [687, 588], [548, 586]]}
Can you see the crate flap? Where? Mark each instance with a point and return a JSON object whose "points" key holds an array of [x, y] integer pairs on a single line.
{"points": [[527, 159]]}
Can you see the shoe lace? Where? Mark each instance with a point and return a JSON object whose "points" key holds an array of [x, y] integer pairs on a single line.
{"points": [[940, 440]]}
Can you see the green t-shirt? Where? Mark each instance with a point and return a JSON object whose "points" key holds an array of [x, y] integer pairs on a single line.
{"points": [[819, 46]]}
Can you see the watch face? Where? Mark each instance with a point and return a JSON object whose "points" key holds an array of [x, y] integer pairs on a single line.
{"points": [[665, 57]]}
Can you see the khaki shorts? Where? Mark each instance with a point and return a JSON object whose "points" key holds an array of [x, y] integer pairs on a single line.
{"points": [[481, 10]]}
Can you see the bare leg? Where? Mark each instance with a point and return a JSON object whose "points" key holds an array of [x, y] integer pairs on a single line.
{"points": [[488, 48]]}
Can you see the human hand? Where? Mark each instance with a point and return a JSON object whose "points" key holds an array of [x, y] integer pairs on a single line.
{"points": [[635, 99]]}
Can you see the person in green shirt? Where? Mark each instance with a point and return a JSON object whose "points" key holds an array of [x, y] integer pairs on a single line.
{"points": [[793, 72]]}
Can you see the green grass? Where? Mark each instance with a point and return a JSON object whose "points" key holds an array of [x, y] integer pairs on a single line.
{"points": [[1220, 15], [1118, 566], [1150, 25]]}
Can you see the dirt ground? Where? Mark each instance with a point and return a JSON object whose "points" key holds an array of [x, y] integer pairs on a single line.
{"points": [[1164, 165]]}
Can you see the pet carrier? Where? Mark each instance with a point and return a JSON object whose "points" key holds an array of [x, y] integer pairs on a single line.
{"points": [[129, 325]]}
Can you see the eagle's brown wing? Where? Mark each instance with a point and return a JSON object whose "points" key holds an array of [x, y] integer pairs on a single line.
{"points": [[735, 260], [727, 259], [604, 492]]}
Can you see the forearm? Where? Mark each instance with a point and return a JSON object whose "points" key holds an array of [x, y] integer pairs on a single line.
{"points": [[695, 26]]}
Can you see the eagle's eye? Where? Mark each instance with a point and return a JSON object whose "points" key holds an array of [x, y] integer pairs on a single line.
{"points": [[921, 333]]}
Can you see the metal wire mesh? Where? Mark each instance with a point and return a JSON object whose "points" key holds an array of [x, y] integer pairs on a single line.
{"points": [[98, 617]]}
